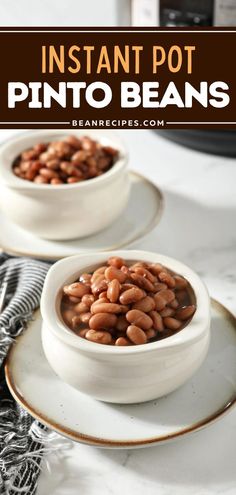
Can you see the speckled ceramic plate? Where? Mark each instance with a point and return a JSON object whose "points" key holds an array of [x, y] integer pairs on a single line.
{"points": [[204, 398], [139, 218]]}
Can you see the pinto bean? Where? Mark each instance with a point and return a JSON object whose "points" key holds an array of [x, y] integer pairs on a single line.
{"points": [[124, 308], [186, 312], [30, 174], [121, 341], [103, 295], [53, 164], [168, 295], [81, 308], [113, 290], [167, 312], [99, 284], [39, 179], [131, 295], [56, 181], [102, 321], [167, 279], [114, 273], [157, 321], [145, 273], [79, 157], [115, 261], [74, 300], [125, 269], [136, 335], [139, 318], [105, 308], [44, 157], [100, 300], [29, 154], [160, 302], [61, 148], [151, 333], [138, 264], [146, 304], [156, 268], [174, 304], [85, 278], [76, 289], [88, 299], [36, 166], [40, 147], [180, 282], [171, 323], [99, 271], [127, 286], [85, 317], [158, 286], [142, 282], [73, 141], [49, 174], [100, 337]]}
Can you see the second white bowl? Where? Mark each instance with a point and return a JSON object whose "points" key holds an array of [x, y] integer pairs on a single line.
{"points": [[66, 211]]}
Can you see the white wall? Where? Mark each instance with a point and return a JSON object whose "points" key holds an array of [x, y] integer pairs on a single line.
{"points": [[63, 12]]}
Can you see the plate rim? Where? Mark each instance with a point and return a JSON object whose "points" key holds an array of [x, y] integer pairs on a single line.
{"points": [[100, 442], [148, 228]]}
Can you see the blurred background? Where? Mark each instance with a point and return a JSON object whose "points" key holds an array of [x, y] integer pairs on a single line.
{"points": [[61, 13], [118, 13]]}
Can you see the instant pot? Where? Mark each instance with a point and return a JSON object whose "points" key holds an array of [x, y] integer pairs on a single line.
{"points": [[195, 13]]}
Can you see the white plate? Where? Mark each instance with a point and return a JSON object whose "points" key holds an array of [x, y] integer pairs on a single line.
{"points": [[142, 214], [205, 398]]}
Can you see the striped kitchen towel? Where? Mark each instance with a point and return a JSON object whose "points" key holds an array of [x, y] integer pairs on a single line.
{"points": [[23, 441]]}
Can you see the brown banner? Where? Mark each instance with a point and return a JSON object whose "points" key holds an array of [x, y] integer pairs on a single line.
{"points": [[117, 78]]}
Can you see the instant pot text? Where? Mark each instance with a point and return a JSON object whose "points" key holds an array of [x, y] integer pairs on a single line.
{"points": [[91, 64]]}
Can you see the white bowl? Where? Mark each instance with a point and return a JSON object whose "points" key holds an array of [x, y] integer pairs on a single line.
{"points": [[65, 211], [122, 374]]}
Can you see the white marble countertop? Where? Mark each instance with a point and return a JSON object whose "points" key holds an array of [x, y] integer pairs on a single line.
{"points": [[199, 228]]}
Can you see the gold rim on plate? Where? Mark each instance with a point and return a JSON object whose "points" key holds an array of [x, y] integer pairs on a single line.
{"points": [[91, 440]]}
